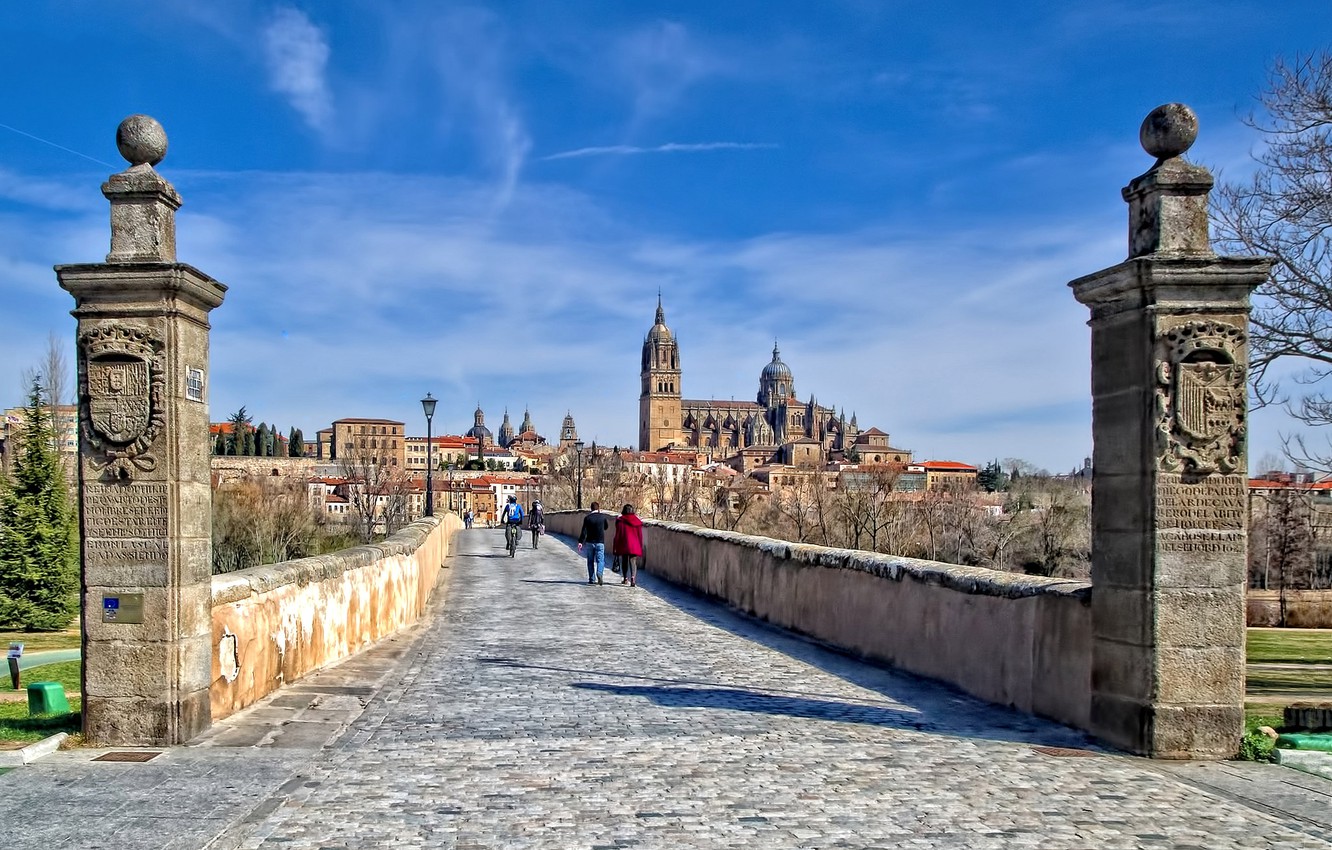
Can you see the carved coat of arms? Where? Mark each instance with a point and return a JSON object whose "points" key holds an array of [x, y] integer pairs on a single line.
{"points": [[1201, 397], [122, 387]]}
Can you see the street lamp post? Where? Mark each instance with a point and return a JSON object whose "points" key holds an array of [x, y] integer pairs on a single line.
{"points": [[578, 465], [428, 405]]}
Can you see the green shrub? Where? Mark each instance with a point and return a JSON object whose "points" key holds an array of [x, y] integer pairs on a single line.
{"points": [[1255, 746]]}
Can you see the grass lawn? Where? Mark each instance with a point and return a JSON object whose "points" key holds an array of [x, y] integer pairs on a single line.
{"points": [[17, 725], [1300, 684], [1290, 646], [42, 641]]}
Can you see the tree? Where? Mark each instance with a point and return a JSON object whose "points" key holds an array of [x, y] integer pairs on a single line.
{"points": [[991, 477], [262, 446], [52, 373], [295, 443], [39, 561], [240, 426], [1285, 540], [376, 492], [262, 520], [1285, 211], [220, 444]]}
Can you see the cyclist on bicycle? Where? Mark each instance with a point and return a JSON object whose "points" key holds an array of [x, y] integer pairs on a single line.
{"points": [[512, 517]]}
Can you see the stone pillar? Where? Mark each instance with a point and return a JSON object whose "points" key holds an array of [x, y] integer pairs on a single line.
{"points": [[144, 497], [1170, 469]]}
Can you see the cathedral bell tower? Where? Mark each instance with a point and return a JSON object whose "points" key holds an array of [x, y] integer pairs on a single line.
{"points": [[659, 420]]}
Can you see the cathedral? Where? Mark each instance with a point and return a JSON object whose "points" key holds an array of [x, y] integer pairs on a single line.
{"points": [[777, 427]]}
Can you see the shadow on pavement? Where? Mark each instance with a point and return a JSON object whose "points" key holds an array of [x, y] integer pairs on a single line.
{"points": [[739, 699]]}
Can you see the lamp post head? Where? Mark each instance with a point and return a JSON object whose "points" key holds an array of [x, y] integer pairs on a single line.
{"points": [[428, 405], [578, 446]]}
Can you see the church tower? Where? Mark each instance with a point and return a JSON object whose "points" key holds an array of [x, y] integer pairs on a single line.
{"points": [[659, 420]]}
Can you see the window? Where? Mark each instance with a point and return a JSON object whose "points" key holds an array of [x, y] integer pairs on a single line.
{"points": [[194, 385]]}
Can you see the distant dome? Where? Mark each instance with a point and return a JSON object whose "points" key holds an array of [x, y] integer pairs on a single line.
{"points": [[776, 370], [659, 332]]}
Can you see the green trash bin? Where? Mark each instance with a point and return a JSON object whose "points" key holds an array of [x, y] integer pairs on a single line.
{"points": [[47, 698]]}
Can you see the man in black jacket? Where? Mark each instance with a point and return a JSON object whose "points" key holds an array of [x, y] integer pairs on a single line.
{"points": [[593, 536]]}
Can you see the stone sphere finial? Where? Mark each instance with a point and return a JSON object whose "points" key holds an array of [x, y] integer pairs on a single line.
{"points": [[141, 140], [1168, 130]]}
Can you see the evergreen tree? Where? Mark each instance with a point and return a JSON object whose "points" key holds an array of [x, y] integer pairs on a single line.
{"points": [[220, 444], [296, 443], [247, 443], [262, 447], [991, 477], [39, 559], [240, 425]]}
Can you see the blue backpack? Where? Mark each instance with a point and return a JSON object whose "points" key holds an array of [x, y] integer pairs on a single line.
{"points": [[516, 514]]}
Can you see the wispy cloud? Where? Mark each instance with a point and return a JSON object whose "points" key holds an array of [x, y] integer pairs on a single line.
{"points": [[470, 52], [661, 62], [669, 147], [296, 52]]}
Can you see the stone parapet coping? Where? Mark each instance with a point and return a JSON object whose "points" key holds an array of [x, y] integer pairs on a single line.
{"points": [[973, 580], [241, 584]]}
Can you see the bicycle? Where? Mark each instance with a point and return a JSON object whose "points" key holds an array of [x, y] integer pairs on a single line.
{"points": [[511, 532]]}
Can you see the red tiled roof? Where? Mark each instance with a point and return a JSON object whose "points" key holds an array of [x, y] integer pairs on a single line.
{"points": [[947, 465]]}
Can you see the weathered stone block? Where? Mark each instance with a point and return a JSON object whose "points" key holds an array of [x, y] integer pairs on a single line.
{"points": [[1200, 616], [1122, 615], [1123, 669], [1120, 503], [1121, 558], [1206, 675], [1127, 444]]}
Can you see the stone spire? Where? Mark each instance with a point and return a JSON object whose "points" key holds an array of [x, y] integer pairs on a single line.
{"points": [[527, 422]]}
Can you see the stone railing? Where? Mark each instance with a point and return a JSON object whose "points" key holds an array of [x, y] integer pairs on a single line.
{"points": [[274, 624], [1011, 639]]}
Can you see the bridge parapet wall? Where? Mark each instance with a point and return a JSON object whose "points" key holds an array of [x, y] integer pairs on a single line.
{"points": [[1016, 640], [274, 624]]}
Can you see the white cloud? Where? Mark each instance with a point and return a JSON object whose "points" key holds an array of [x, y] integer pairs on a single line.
{"points": [[356, 294], [296, 52], [661, 62], [669, 147]]}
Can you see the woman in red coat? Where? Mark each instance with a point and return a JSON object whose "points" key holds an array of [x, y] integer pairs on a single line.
{"points": [[628, 545]]}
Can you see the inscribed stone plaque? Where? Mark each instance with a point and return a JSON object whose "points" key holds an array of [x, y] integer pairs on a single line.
{"points": [[103, 552], [1201, 517], [125, 510]]}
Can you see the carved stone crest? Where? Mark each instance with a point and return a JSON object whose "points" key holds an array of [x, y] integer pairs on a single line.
{"points": [[1200, 397], [121, 390]]}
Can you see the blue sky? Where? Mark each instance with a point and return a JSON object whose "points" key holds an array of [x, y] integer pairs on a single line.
{"points": [[482, 200]]}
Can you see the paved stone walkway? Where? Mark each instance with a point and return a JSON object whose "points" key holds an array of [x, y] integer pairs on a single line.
{"points": [[536, 711]]}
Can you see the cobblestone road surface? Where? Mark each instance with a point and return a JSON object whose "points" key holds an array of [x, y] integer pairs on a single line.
{"points": [[531, 710], [542, 712]]}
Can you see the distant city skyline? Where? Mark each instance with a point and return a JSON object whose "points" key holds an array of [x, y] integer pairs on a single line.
{"points": [[482, 202]]}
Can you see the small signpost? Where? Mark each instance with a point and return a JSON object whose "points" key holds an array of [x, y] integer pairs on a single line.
{"points": [[15, 653]]}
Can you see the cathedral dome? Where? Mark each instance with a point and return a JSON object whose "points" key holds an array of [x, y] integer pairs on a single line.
{"points": [[776, 370], [659, 332]]}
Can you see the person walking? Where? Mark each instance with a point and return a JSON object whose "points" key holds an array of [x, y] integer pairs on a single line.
{"points": [[593, 536], [467, 519], [536, 520], [628, 545]]}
